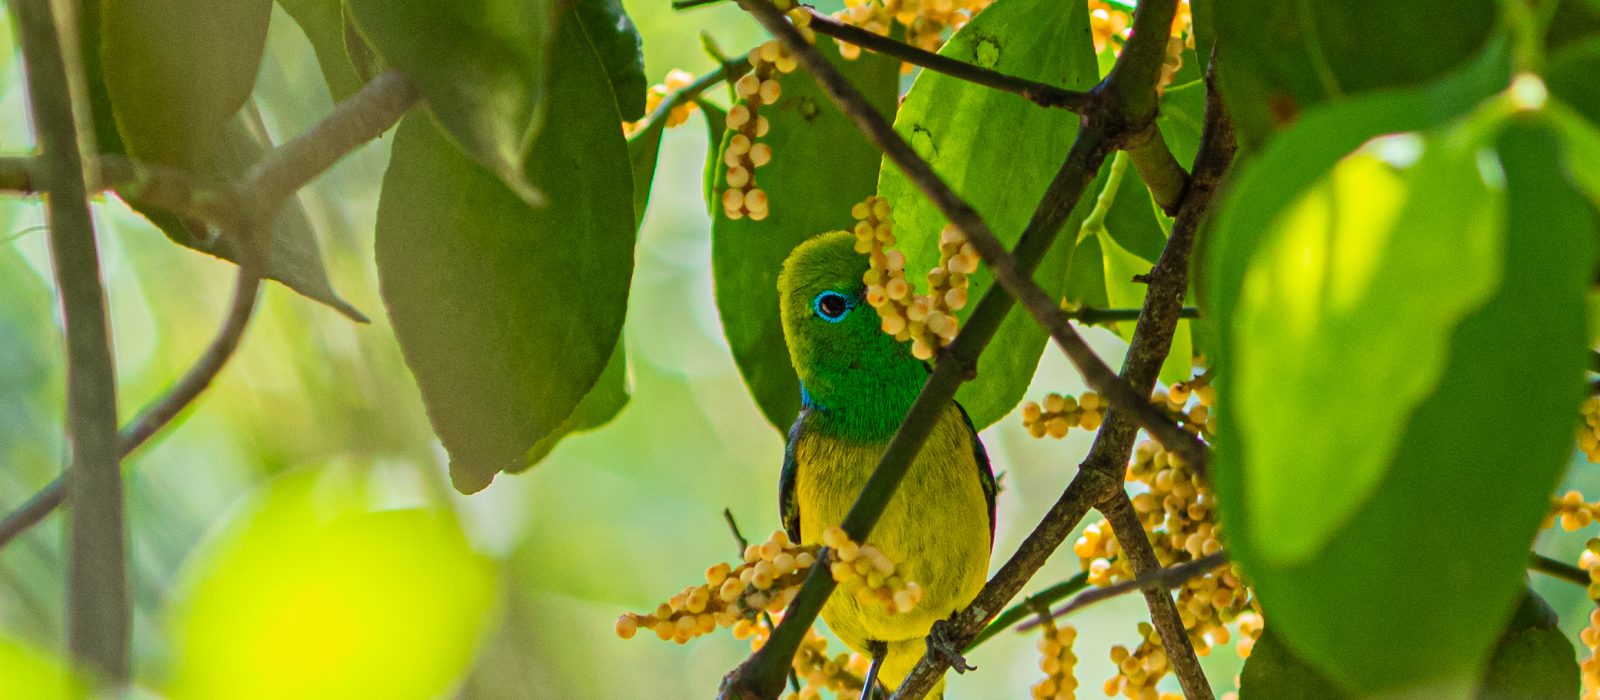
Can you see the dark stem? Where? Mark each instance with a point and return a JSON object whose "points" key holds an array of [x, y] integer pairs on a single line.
{"points": [[1558, 569], [1164, 615], [1042, 94], [99, 616], [1169, 577], [158, 413], [1020, 612]]}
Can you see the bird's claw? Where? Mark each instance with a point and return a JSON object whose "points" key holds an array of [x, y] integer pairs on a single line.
{"points": [[940, 644]]}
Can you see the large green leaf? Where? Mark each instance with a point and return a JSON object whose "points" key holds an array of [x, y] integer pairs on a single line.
{"points": [[507, 314], [177, 71], [481, 66], [1278, 58], [1527, 341], [323, 24], [1532, 661], [644, 149], [296, 261], [1364, 239], [618, 43], [716, 124], [821, 166], [1571, 76], [1581, 141], [1182, 116], [604, 401], [999, 152]]}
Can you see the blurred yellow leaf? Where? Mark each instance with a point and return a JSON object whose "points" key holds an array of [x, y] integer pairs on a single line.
{"points": [[315, 596], [26, 672]]}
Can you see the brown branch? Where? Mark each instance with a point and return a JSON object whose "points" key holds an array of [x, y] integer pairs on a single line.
{"points": [[1092, 316], [99, 614], [158, 413], [1166, 578], [1164, 615], [1042, 94], [1160, 170], [1099, 479]]}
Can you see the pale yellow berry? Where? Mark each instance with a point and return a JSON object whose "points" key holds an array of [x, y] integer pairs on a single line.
{"points": [[760, 154]]}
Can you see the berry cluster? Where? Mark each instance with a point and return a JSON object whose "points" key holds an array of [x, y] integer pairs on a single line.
{"points": [[1140, 670], [841, 673], [732, 596], [1590, 636], [1059, 413], [1056, 660], [1178, 512], [1572, 511], [925, 21], [744, 153], [675, 80], [799, 16], [864, 570], [927, 320], [1589, 432], [1110, 26]]}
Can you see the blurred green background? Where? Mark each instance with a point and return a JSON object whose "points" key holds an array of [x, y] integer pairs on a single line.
{"points": [[614, 520]]}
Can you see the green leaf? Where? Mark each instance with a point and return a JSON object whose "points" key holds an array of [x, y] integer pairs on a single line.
{"points": [[1526, 341], [1274, 671], [176, 72], [481, 66], [323, 24], [1570, 76], [821, 166], [716, 124], [1581, 139], [507, 314], [1182, 116], [1534, 660], [296, 260], [617, 41], [644, 148], [603, 402], [1281, 58], [1000, 152]]}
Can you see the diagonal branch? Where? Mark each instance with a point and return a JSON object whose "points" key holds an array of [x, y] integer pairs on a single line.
{"points": [[1042, 94], [160, 412], [1169, 577], [1099, 479]]}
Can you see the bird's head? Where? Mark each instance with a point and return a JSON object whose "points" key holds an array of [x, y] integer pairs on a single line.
{"points": [[845, 361]]}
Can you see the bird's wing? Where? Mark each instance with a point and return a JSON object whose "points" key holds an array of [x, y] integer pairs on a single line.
{"points": [[985, 472], [788, 506]]}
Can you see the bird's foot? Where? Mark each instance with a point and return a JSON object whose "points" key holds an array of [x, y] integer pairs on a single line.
{"points": [[942, 645]]}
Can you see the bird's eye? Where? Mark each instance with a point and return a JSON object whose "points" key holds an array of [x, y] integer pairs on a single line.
{"points": [[831, 306]]}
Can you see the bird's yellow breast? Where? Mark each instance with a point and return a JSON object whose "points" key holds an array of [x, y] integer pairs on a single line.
{"points": [[936, 527]]}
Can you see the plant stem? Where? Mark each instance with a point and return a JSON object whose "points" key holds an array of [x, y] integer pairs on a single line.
{"points": [[1169, 577], [1160, 170], [158, 413], [1020, 612], [98, 612], [1042, 94], [1091, 316], [1558, 569], [730, 70]]}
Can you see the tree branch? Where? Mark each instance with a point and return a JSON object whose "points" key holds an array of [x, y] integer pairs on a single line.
{"points": [[158, 413], [99, 615], [1042, 94], [1091, 316], [1099, 478], [1167, 578], [1164, 615], [731, 69]]}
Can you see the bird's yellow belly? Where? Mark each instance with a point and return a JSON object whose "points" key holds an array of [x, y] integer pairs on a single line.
{"points": [[936, 527]]}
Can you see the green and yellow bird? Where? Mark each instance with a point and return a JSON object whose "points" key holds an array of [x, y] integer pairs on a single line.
{"points": [[857, 383]]}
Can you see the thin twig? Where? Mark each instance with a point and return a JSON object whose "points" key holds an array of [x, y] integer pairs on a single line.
{"points": [[99, 614], [1160, 170], [730, 70], [1019, 613], [1166, 578], [1558, 569], [1042, 94], [158, 413]]}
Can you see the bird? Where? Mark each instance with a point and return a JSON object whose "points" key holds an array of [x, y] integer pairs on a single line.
{"points": [[857, 384]]}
